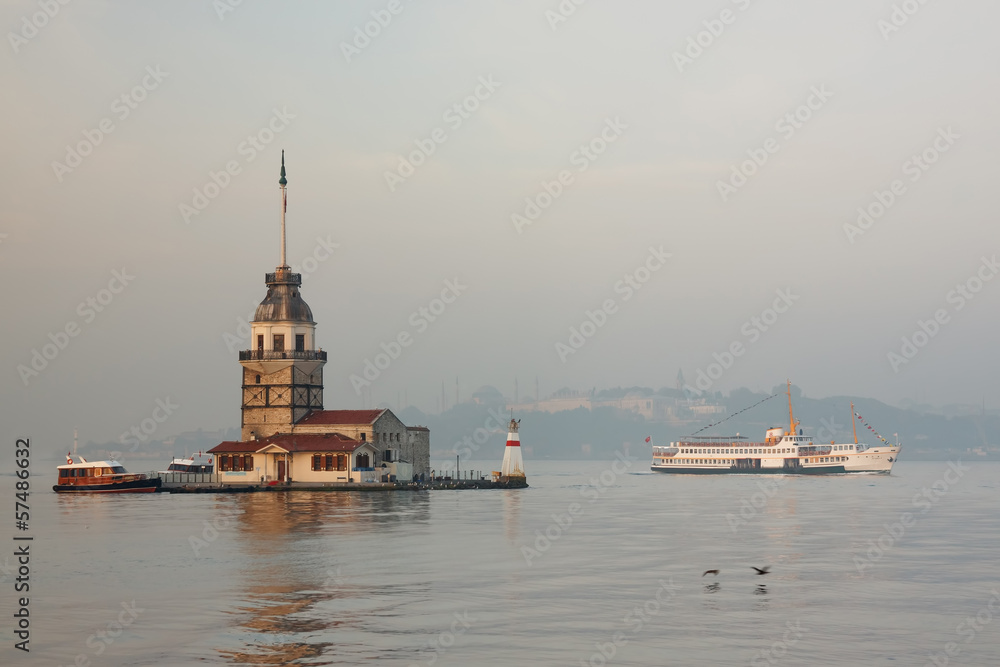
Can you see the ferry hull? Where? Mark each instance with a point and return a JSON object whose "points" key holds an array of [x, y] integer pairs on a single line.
{"points": [[826, 470], [134, 486]]}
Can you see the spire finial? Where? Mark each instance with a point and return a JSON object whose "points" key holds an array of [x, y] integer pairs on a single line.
{"points": [[282, 182]]}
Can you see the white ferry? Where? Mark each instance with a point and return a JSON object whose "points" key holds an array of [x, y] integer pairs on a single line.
{"points": [[781, 453]]}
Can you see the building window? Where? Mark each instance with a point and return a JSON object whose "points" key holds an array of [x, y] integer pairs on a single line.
{"points": [[258, 379], [341, 462], [317, 463], [329, 461], [363, 437], [224, 463], [260, 341], [248, 463], [300, 342], [279, 342]]}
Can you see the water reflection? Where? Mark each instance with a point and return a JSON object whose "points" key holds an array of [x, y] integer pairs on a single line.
{"points": [[512, 514], [299, 583]]}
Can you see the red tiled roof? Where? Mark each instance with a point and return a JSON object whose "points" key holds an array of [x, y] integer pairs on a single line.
{"points": [[341, 417], [327, 442]]}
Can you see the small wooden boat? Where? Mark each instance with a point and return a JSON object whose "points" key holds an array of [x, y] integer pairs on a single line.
{"points": [[101, 477]]}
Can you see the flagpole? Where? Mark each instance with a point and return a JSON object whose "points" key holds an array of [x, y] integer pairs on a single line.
{"points": [[854, 423]]}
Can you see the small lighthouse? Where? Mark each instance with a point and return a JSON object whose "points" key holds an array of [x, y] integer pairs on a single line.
{"points": [[512, 470]]}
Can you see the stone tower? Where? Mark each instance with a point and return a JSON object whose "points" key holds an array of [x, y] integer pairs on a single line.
{"points": [[283, 369]]}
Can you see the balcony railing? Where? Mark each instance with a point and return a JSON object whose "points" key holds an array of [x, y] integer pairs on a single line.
{"points": [[286, 277], [271, 355]]}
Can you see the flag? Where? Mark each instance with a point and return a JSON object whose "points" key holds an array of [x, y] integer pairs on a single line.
{"points": [[648, 438]]}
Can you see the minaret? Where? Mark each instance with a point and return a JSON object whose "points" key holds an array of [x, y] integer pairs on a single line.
{"points": [[512, 469], [283, 369]]}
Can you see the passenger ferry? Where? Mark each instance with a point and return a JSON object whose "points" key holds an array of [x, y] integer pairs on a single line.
{"points": [[101, 477], [781, 452]]}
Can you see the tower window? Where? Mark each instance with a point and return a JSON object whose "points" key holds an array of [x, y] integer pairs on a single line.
{"points": [[260, 341], [363, 435], [300, 342], [258, 379], [279, 342]]}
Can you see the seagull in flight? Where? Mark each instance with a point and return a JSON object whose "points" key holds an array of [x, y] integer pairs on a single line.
{"points": [[710, 572], [762, 570]]}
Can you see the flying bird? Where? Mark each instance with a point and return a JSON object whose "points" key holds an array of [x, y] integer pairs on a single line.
{"points": [[763, 570], [710, 572]]}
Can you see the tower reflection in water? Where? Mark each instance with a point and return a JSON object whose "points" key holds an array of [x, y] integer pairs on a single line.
{"points": [[305, 595]]}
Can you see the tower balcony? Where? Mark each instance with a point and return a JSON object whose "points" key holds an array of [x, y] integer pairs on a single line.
{"points": [[283, 276], [274, 355]]}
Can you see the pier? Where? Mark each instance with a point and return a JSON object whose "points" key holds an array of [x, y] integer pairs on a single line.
{"points": [[210, 483]]}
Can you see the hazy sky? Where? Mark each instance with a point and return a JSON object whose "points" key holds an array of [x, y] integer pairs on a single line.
{"points": [[831, 100]]}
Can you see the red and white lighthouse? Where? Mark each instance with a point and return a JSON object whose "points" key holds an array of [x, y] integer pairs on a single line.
{"points": [[513, 464]]}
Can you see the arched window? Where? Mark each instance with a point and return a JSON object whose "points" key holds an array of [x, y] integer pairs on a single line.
{"points": [[258, 379]]}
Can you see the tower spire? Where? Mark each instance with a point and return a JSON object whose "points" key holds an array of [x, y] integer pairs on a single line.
{"points": [[282, 182]]}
